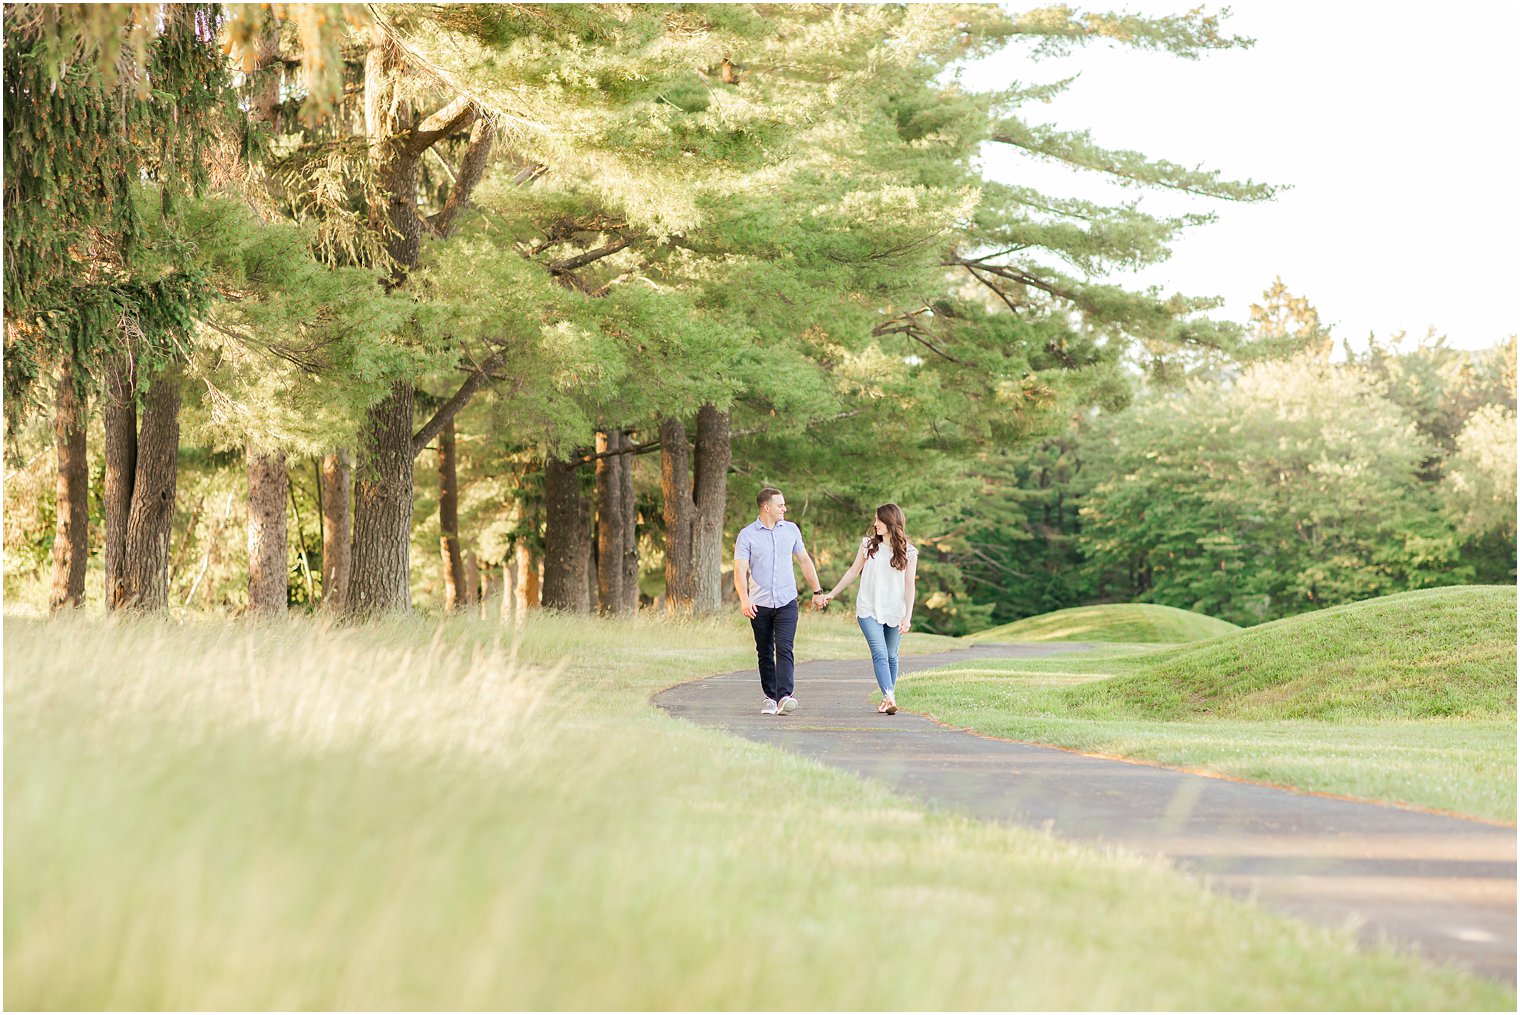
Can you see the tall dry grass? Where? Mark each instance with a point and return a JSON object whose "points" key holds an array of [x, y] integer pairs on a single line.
{"points": [[213, 815]]}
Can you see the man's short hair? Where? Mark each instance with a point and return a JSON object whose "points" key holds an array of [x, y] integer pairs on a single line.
{"points": [[765, 496]]}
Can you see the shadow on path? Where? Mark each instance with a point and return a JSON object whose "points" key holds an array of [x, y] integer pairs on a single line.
{"points": [[1444, 885]]}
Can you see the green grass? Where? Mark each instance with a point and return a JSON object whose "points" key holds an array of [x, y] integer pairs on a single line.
{"points": [[1135, 623], [1416, 655], [1408, 698], [214, 815]]}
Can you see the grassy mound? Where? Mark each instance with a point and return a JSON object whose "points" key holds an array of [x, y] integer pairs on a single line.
{"points": [[1408, 699], [1132, 622], [1425, 654]]}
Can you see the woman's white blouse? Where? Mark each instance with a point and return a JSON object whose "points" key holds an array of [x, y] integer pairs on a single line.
{"points": [[882, 594]]}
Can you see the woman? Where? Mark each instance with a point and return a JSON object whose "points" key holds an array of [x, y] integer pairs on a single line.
{"points": [[888, 568]]}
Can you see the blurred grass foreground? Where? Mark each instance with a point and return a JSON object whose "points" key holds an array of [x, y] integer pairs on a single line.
{"points": [[216, 815]]}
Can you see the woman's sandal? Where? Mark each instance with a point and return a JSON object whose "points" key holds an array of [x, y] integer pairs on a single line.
{"points": [[889, 706], [882, 707]]}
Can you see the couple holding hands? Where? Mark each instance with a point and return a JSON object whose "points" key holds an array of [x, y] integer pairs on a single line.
{"points": [[886, 565]]}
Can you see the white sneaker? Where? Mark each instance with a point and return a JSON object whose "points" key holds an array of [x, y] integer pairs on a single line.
{"points": [[787, 705], [770, 707]]}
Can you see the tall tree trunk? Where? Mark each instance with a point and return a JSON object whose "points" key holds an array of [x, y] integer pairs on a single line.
{"points": [[265, 100], [529, 582], [268, 481], [383, 489], [490, 589], [567, 538], [71, 540], [120, 412], [490, 583], [151, 519], [212, 558], [588, 587], [611, 522], [454, 594], [713, 454], [394, 160], [471, 579], [630, 553], [268, 486], [508, 587], [380, 581], [337, 528], [383, 485], [680, 517]]}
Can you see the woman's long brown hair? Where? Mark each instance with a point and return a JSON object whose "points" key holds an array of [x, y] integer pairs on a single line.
{"points": [[892, 517]]}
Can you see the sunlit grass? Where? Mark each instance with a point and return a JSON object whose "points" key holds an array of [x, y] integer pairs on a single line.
{"points": [[1435, 652], [1115, 622], [215, 815], [1407, 698]]}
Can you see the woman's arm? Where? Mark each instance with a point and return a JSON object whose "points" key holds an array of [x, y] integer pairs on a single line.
{"points": [[850, 575], [910, 589]]}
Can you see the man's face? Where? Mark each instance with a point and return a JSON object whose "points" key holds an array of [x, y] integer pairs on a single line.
{"points": [[775, 509]]}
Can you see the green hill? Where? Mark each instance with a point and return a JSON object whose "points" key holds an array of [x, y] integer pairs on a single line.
{"points": [[1435, 652], [1132, 622]]}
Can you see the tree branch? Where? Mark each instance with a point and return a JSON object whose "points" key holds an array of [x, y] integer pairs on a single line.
{"points": [[630, 449], [999, 566], [303, 358], [997, 289], [1012, 274], [528, 173], [967, 576], [471, 169], [477, 380], [1078, 150], [913, 333], [565, 228], [849, 504], [565, 265], [910, 327], [654, 445], [456, 116]]}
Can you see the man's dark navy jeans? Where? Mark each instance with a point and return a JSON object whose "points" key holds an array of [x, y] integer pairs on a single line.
{"points": [[775, 630]]}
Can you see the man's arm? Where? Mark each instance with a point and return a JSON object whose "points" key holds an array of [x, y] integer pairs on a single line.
{"points": [[741, 586], [808, 571]]}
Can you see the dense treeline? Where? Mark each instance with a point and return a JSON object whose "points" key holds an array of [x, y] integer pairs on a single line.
{"points": [[508, 305], [1271, 489]]}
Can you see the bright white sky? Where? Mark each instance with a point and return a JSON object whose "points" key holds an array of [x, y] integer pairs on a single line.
{"points": [[1396, 124]]}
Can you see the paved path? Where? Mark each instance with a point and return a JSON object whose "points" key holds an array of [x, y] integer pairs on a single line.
{"points": [[1444, 885]]}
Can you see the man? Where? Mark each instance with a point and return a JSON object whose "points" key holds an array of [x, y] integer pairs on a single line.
{"points": [[767, 589]]}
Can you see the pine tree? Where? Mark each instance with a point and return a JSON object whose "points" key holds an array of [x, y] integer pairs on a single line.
{"points": [[652, 119], [986, 341], [831, 258], [699, 229], [96, 104], [118, 118]]}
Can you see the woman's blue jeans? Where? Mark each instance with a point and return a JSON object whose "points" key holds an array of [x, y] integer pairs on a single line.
{"points": [[883, 641]]}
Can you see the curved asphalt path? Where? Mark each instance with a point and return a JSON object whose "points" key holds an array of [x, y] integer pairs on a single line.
{"points": [[1444, 885]]}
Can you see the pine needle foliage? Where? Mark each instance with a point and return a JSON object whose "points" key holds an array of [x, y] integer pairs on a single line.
{"points": [[101, 112]]}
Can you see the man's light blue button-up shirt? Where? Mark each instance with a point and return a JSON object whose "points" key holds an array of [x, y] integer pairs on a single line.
{"points": [[772, 582]]}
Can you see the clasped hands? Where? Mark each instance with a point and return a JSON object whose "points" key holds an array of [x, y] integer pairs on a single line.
{"points": [[819, 602]]}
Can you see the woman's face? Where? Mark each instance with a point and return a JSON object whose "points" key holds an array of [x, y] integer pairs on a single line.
{"points": [[881, 526]]}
